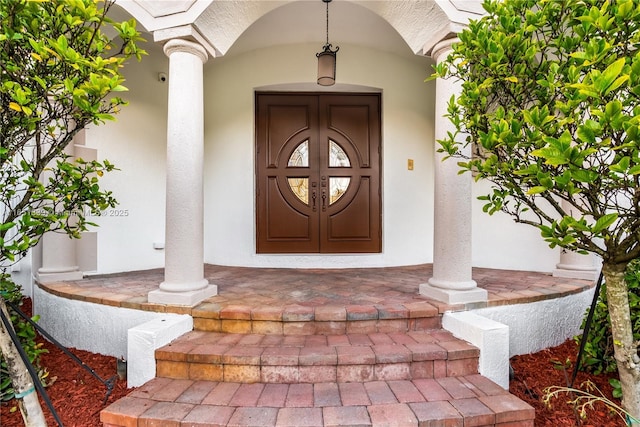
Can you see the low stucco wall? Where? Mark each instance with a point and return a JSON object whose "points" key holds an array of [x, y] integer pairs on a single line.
{"points": [[543, 324], [505, 331], [531, 327], [87, 326]]}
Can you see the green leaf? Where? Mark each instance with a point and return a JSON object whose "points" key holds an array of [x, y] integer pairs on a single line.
{"points": [[621, 166], [62, 43], [584, 89], [582, 175], [536, 190], [604, 222], [586, 134], [616, 84], [609, 75], [6, 226], [612, 109]]}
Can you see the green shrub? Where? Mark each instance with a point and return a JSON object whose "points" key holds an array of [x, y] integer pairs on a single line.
{"points": [[27, 335], [598, 354]]}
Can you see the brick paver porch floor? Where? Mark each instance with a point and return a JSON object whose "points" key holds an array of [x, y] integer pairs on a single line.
{"points": [[366, 304], [244, 288]]}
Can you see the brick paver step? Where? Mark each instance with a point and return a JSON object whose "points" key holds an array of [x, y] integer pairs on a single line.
{"points": [[252, 358], [470, 400], [309, 320]]}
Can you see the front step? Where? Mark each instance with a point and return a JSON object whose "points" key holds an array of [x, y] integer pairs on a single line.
{"points": [[320, 320], [470, 400], [251, 358], [323, 366]]}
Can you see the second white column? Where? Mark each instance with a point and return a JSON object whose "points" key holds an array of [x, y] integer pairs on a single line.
{"points": [[451, 281]]}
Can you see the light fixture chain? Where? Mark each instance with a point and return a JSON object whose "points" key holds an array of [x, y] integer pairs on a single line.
{"points": [[327, 3]]}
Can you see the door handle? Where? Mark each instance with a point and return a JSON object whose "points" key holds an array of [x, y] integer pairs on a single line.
{"points": [[313, 197], [324, 200]]}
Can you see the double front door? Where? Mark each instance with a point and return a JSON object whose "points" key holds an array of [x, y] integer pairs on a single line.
{"points": [[318, 173]]}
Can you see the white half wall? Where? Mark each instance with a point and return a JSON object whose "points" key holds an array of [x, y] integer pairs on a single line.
{"points": [[145, 339], [499, 242], [505, 331], [491, 337], [543, 324], [87, 326]]}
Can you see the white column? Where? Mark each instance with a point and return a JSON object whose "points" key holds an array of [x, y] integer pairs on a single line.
{"points": [[184, 282], [451, 281], [573, 265], [59, 261]]}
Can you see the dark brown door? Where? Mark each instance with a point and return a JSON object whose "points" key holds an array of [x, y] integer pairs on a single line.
{"points": [[318, 173]]}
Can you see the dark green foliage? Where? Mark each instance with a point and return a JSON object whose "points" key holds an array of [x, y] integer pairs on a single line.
{"points": [[59, 70], [598, 356], [548, 114], [27, 335], [60, 62], [549, 107]]}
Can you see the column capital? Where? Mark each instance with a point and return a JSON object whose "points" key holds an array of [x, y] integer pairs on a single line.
{"points": [[442, 49], [182, 45]]}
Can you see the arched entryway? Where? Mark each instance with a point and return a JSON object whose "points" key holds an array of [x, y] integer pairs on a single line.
{"points": [[194, 32]]}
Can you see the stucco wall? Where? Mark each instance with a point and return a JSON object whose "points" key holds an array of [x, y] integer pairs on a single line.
{"points": [[136, 144], [543, 324], [407, 127], [87, 326], [498, 242]]}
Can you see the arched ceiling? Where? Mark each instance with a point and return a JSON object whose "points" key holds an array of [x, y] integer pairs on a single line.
{"points": [[229, 27], [305, 22]]}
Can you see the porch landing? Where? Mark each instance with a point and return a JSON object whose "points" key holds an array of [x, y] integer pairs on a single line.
{"points": [[315, 347], [245, 291]]}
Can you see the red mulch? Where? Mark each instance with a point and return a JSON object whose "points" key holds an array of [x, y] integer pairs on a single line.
{"points": [[77, 396], [535, 372]]}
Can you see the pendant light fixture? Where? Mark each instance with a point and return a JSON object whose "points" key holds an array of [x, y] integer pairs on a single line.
{"points": [[327, 59]]}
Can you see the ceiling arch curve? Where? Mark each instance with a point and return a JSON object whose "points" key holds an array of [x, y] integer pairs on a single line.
{"points": [[220, 24]]}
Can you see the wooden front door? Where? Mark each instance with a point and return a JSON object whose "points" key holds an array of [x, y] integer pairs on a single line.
{"points": [[318, 173]]}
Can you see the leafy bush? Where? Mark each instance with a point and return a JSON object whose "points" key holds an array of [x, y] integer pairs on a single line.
{"points": [[27, 335], [598, 350]]}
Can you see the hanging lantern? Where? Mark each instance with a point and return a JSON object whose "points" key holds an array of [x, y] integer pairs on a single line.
{"points": [[327, 59]]}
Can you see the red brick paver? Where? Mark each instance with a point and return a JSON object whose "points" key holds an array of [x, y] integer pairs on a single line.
{"points": [[331, 295], [348, 346], [389, 403]]}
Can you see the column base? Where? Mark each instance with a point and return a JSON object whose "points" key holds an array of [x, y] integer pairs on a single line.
{"points": [[591, 274], [52, 275], [189, 298], [451, 296]]}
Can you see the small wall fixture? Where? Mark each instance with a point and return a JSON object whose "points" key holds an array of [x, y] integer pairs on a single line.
{"points": [[327, 59]]}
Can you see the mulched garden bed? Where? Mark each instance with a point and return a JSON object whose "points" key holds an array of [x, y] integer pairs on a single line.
{"points": [[535, 372], [77, 396]]}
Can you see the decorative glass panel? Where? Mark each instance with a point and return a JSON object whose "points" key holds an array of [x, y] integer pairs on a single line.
{"points": [[300, 187], [337, 157], [300, 156], [338, 186]]}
